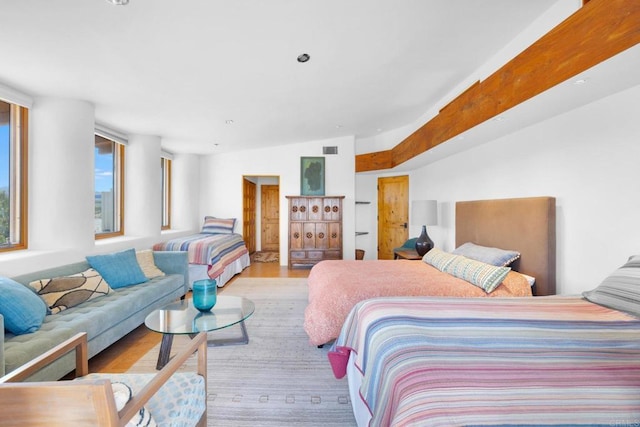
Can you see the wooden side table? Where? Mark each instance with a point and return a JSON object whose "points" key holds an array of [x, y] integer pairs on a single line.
{"points": [[406, 254]]}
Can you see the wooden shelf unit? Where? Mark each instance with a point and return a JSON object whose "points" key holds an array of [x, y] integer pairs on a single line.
{"points": [[315, 229]]}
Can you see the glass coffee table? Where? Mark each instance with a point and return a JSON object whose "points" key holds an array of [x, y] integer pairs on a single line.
{"points": [[182, 318]]}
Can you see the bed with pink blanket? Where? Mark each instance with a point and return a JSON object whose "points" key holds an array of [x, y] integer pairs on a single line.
{"points": [[525, 225]]}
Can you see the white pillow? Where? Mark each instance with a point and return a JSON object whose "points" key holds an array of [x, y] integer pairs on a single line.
{"points": [[122, 394]]}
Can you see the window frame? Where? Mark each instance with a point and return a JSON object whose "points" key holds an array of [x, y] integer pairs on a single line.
{"points": [[165, 168], [118, 170], [18, 138]]}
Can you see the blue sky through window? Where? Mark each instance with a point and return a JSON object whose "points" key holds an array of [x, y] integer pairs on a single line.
{"points": [[103, 171]]}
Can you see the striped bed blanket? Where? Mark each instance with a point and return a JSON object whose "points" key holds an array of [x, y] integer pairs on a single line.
{"points": [[215, 250], [507, 361]]}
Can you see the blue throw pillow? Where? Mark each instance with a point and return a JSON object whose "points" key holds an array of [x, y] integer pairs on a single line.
{"points": [[118, 269], [22, 309]]}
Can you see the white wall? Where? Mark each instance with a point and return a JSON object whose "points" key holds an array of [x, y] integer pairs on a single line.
{"points": [[61, 190], [61, 171], [221, 182], [586, 158], [185, 193], [143, 177]]}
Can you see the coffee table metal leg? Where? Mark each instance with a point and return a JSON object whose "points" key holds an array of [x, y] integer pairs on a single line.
{"points": [[165, 350], [244, 339]]}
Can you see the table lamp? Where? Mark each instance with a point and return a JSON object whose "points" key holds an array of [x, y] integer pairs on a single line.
{"points": [[424, 212]]}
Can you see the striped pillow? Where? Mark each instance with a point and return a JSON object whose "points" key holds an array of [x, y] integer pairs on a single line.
{"points": [[214, 225], [485, 276], [437, 258], [621, 289]]}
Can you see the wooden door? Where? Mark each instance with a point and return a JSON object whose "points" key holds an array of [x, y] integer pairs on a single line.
{"points": [[270, 218], [249, 194], [393, 214]]}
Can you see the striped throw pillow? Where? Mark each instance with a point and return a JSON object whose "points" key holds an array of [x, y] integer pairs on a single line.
{"points": [[621, 289], [438, 259], [485, 276], [214, 225]]}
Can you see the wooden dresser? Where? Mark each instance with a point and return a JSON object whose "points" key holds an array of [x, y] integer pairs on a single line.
{"points": [[315, 229]]}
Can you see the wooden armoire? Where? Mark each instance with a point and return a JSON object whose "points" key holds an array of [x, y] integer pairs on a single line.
{"points": [[315, 229]]}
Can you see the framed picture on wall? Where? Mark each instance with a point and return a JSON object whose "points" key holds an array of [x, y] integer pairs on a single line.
{"points": [[312, 176]]}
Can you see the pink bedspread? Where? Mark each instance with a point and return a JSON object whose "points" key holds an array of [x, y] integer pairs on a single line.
{"points": [[335, 286]]}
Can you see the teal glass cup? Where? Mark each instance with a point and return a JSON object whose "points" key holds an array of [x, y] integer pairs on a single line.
{"points": [[205, 294]]}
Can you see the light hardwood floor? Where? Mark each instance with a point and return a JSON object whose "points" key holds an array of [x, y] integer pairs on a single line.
{"points": [[120, 356]]}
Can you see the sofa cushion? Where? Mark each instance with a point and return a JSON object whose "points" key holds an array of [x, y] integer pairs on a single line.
{"points": [[98, 317], [119, 269], [61, 293], [22, 309], [147, 264]]}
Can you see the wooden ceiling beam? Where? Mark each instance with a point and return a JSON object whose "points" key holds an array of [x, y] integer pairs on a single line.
{"points": [[597, 31]]}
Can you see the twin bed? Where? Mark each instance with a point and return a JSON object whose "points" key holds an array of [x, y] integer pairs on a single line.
{"points": [[448, 361], [215, 253], [524, 225], [490, 361]]}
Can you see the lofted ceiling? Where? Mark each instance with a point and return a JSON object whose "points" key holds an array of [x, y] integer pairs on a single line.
{"points": [[183, 70]]}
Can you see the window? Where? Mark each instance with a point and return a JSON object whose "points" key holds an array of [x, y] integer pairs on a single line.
{"points": [[13, 176], [165, 167], [109, 187]]}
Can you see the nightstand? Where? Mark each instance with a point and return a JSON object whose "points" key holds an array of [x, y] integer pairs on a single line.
{"points": [[406, 254]]}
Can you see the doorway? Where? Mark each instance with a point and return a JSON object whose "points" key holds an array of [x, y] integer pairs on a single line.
{"points": [[270, 217], [261, 213], [393, 214]]}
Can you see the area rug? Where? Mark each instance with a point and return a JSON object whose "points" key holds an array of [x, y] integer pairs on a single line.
{"points": [[278, 379], [265, 257]]}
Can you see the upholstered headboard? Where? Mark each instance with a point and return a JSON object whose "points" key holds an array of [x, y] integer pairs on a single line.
{"points": [[527, 225]]}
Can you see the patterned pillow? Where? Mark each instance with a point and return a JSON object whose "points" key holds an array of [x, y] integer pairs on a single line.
{"points": [[122, 394], [65, 292], [148, 264], [214, 225], [621, 289], [437, 258], [488, 255], [485, 276]]}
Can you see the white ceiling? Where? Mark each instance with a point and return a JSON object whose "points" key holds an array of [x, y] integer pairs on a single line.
{"points": [[181, 69]]}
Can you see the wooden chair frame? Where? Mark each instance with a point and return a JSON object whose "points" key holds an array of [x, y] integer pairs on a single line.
{"points": [[86, 402]]}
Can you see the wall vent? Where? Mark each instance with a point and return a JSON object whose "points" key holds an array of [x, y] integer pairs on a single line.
{"points": [[330, 150]]}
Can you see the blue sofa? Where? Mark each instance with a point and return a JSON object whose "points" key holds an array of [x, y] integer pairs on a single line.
{"points": [[105, 319]]}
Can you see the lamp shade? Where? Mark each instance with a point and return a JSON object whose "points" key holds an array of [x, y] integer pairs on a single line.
{"points": [[424, 212]]}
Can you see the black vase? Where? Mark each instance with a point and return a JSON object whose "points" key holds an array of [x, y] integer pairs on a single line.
{"points": [[424, 243]]}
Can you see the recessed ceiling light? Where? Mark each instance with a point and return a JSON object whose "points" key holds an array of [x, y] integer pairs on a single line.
{"points": [[580, 81], [119, 2], [304, 57]]}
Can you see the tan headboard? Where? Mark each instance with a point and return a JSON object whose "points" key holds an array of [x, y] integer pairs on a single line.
{"points": [[527, 225]]}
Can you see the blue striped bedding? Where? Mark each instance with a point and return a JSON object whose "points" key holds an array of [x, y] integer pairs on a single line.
{"points": [[507, 361]]}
